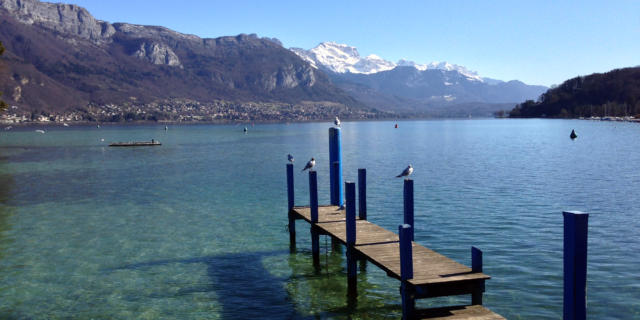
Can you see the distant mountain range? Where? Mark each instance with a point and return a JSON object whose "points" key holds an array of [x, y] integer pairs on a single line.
{"points": [[437, 88], [59, 59]]}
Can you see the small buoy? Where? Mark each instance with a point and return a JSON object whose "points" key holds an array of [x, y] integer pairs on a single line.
{"points": [[245, 129], [573, 135], [396, 126]]}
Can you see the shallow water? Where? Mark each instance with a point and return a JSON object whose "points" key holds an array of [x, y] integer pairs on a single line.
{"points": [[196, 228]]}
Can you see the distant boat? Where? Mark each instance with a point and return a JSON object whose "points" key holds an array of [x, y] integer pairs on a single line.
{"points": [[245, 129], [40, 131], [136, 144], [573, 135], [8, 128], [65, 124], [166, 128]]}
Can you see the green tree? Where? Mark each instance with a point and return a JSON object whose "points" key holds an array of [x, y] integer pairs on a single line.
{"points": [[3, 105]]}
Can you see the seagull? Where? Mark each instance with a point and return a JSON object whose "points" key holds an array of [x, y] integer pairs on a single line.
{"points": [[336, 122], [290, 158], [407, 171], [310, 164]]}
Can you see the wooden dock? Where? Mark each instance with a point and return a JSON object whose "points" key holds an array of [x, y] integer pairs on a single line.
{"points": [[434, 275], [423, 273]]}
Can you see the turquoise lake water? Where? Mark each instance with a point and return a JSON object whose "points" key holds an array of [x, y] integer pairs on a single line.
{"points": [[196, 228]]}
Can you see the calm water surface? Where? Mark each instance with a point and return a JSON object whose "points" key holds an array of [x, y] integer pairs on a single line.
{"points": [[196, 228]]}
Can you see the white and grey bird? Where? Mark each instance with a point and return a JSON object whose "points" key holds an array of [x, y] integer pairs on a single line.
{"points": [[336, 121], [310, 164], [407, 171], [290, 158]]}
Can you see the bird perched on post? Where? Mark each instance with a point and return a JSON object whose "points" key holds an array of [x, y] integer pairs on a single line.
{"points": [[310, 164], [290, 158], [407, 171], [336, 122]]}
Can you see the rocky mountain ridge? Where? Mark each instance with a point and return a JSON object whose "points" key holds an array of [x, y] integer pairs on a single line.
{"points": [[59, 57]]}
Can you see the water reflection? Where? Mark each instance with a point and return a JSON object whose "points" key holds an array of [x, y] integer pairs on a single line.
{"points": [[6, 211]]}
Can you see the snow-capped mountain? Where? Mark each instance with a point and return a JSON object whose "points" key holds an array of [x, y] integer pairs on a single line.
{"points": [[342, 58], [409, 86]]}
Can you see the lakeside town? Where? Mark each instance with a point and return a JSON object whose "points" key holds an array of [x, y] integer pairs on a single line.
{"points": [[186, 110]]}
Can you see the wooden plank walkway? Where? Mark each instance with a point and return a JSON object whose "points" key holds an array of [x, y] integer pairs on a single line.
{"points": [[380, 246], [434, 275]]}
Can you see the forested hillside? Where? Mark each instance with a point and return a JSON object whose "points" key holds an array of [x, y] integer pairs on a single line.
{"points": [[615, 93]]}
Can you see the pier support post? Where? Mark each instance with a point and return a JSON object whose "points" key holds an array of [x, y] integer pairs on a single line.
{"points": [[406, 271], [408, 205], [575, 265], [351, 239], [476, 266], [290, 198], [362, 194], [335, 173], [313, 206]]}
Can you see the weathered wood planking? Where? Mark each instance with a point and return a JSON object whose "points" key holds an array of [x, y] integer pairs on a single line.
{"points": [[380, 246], [475, 312]]}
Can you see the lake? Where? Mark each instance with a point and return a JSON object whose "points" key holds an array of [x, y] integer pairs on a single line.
{"points": [[196, 228]]}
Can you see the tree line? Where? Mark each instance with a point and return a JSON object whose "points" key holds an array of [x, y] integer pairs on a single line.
{"points": [[615, 93]]}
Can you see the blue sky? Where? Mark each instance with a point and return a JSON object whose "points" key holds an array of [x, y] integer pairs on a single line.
{"points": [[538, 42]]}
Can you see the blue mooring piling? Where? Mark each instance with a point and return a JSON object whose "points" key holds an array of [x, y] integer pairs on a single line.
{"points": [[575, 265], [351, 239], [476, 266], [290, 199], [313, 206], [408, 204], [406, 270], [335, 176], [362, 194]]}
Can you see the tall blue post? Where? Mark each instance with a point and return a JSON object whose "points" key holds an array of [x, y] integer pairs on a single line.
{"points": [[406, 271], [351, 213], [335, 176], [362, 194], [290, 198], [476, 266], [313, 206], [575, 265], [408, 204], [351, 239]]}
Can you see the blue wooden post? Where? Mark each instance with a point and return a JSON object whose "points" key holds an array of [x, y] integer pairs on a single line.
{"points": [[290, 198], [575, 265], [337, 167], [476, 266], [351, 213], [313, 206], [313, 196], [362, 194], [335, 176], [408, 204], [351, 239], [406, 271]]}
